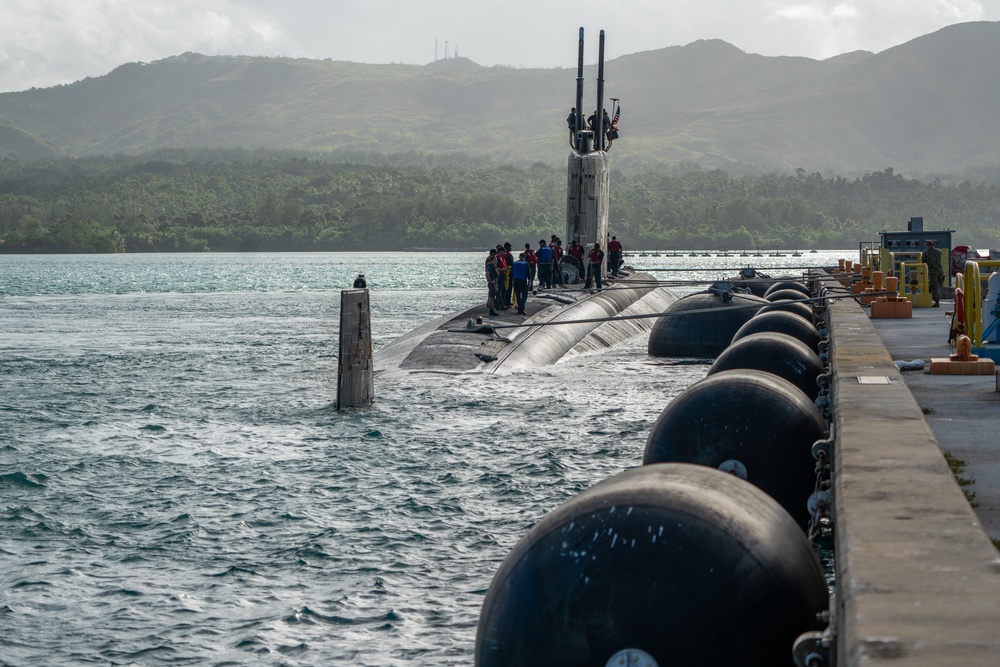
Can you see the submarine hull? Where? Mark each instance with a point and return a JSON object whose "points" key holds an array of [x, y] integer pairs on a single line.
{"points": [[558, 323], [701, 325]]}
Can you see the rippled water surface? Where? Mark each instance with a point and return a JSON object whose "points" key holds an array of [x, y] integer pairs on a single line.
{"points": [[176, 487]]}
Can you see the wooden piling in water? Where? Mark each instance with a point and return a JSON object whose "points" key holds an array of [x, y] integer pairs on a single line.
{"points": [[355, 374]]}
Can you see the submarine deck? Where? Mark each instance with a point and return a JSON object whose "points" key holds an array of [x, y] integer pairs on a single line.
{"points": [[455, 343]]}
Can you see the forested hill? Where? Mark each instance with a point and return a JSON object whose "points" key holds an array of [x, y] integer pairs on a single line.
{"points": [[252, 202], [927, 106]]}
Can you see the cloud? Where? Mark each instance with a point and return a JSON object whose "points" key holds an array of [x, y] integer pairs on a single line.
{"points": [[48, 41], [824, 28], [269, 32]]}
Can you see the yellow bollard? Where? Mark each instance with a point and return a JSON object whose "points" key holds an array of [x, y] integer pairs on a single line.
{"points": [[973, 304], [915, 284]]}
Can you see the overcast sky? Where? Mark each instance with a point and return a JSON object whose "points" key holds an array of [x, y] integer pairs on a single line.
{"points": [[48, 42]]}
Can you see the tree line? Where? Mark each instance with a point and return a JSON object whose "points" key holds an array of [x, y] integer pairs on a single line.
{"points": [[266, 201]]}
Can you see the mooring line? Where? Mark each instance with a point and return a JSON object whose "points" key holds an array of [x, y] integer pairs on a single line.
{"points": [[750, 304]]}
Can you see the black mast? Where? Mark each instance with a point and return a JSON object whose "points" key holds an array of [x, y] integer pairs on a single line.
{"points": [[599, 115], [579, 96]]}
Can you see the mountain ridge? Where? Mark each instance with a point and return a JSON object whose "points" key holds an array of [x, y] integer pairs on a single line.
{"points": [[927, 105]]}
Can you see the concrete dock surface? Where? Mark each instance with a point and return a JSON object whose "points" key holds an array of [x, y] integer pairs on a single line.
{"points": [[918, 579], [963, 411]]}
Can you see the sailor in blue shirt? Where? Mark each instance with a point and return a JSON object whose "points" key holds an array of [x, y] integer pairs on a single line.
{"points": [[519, 273], [544, 255]]}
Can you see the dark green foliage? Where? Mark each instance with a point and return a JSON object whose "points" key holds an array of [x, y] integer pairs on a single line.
{"points": [[262, 201]]}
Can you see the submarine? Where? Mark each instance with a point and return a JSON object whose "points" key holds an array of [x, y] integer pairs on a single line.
{"points": [[558, 321]]}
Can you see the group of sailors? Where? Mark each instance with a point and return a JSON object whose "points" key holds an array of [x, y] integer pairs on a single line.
{"points": [[509, 280], [610, 128]]}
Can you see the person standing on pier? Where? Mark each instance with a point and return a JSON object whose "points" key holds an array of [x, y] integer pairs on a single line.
{"points": [[360, 282], [935, 272]]}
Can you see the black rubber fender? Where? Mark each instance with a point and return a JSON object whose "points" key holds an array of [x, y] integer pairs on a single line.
{"points": [[690, 565], [790, 294], [776, 353], [788, 284], [781, 322], [701, 325], [750, 416], [790, 306]]}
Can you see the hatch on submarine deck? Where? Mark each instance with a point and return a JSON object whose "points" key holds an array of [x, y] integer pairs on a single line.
{"points": [[454, 343]]}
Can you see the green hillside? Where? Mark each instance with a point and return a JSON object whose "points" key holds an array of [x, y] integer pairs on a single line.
{"points": [[923, 107], [261, 201]]}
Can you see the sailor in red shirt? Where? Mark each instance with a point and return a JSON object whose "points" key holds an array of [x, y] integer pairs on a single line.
{"points": [[576, 251], [595, 266], [614, 255], [502, 269], [557, 255], [529, 257]]}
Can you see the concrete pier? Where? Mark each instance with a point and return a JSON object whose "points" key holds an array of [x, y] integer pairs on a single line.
{"points": [[918, 580], [962, 411]]}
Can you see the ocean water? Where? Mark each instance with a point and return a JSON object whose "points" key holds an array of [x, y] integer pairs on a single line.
{"points": [[176, 487]]}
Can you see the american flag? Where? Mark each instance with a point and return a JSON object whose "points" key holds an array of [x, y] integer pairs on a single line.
{"points": [[618, 113]]}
